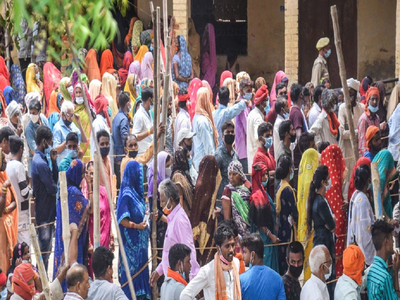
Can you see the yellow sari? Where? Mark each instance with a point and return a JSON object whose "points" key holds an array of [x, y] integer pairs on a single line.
{"points": [[142, 51], [130, 88], [31, 85], [309, 162], [109, 90]]}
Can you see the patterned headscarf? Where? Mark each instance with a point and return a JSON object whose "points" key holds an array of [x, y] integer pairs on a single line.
{"points": [[137, 29], [74, 173], [236, 167], [18, 83], [185, 63], [9, 94]]}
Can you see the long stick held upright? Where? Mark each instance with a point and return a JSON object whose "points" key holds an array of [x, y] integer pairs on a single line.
{"points": [[96, 201], [343, 78], [65, 214]]}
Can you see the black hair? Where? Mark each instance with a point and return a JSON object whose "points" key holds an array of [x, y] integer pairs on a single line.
{"points": [[177, 252], [322, 146], [318, 92], [361, 176], [226, 125], [284, 165], [128, 137], [5, 133], [284, 128], [305, 141], [123, 99], [295, 91], [223, 233], [35, 104], [101, 133], [147, 93], [295, 247], [263, 128], [16, 143], [182, 104], [182, 91], [320, 174], [244, 82], [230, 224], [280, 104], [223, 94], [380, 231], [101, 260], [43, 133], [279, 86], [72, 137], [305, 91], [19, 248], [253, 242], [74, 277]]}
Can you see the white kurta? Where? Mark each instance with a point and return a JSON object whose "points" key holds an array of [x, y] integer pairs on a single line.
{"points": [[254, 119]]}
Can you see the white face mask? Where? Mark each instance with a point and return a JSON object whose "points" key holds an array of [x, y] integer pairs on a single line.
{"points": [[329, 273], [79, 100], [334, 108], [329, 185], [168, 172], [70, 89], [34, 118]]}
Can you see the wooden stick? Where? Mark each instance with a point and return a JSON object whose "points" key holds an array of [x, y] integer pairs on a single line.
{"points": [[343, 78], [103, 175], [96, 201], [39, 261], [66, 234], [376, 187]]}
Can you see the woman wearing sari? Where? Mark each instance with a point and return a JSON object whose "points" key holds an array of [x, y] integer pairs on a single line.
{"points": [[78, 207], [134, 68], [9, 94], [109, 90], [123, 72], [361, 161], [203, 215], [147, 66], [94, 88], [194, 86], [209, 56], [56, 100], [4, 70], [131, 210], [235, 198], [387, 173], [262, 215], [137, 29], [309, 162], [106, 62], [51, 81], [140, 54], [66, 88], [182, 72], [181, 177], [278, 79], [19, 85], [33, 83], [92, 69], [130, 87], [332, 157]]}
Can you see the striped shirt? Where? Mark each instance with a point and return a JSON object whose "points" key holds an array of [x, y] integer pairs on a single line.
{"points": [[380, 281]]}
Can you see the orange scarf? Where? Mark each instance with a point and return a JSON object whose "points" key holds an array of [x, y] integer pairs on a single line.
{"points": [[333, 123], [220, 285], [176, 276]]}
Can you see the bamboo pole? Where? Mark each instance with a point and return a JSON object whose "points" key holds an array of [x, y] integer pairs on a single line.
{"points": [[39, 261], [103, 175], [376, 187], [66, 234], [156, 16], [343, 78], [96, 201]]}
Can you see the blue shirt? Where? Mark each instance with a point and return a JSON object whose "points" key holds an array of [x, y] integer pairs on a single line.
{"points": [[203, 141], [380, 281], [369, 155], [30, 132], [223, 114], [60, 133], [44, 183], [262, 283], [394, 133], [120, 129]]}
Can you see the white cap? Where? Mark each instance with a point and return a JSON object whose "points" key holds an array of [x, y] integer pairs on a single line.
{"points": [[185, 133]]}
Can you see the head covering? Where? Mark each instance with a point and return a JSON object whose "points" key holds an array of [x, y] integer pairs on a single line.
{"points": [[63, 89], [140, 54], [185, 62], [203, 107], [137, 29], [382, 100], [194, 86], [225, 75], [85, 90], [371, 91], [365, 83], [353, 263], [240, 76], [371, 131], [3, 82], [322, 43], [134, 68], [31, 96], [161, 161], [4, 70], [19, 84], [83, 77], [230, 84], [278, 79], [101, 105], [106, 62], [94, 88], [11, 110], [22, 274], [109, 90], [261, 95], [53, 103], [360, 161], [147, 66], [128, 36], [207, 85], [128, 59], [51, 80], [185, 133], [74, 173], [209, 56], [92, 69], [31, 85], [236, 167], [145, 37], [9, 94], [123, 75], [354, 84]]}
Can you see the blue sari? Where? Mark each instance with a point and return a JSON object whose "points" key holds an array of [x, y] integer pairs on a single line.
{"points": [[78, 207], [131, 205], [18, 83]]}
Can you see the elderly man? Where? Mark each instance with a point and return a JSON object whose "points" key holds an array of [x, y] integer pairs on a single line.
{"points": [[320, 67], [321, 267], [326, 127], [179, 230], [77, 283]]}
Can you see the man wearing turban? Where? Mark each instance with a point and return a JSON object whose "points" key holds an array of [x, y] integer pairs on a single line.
{"points": [[374, 143]]}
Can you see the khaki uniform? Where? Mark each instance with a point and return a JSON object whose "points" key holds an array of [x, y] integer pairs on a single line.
{"points": [[319, 70]]}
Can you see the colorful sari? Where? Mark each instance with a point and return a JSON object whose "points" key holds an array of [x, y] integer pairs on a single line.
{"points": [[194, 86], [309, 162], [31, 85], [63, 89], [131, 204], [54, 109], [140, 54], [184, 61], [106, 62], [360, 161], [209, 57], [78, 207], [202, 218], [137, 29], [332, 157], [4, 70], [9, 94], [51, 82], [94, 88], [387, 171], [263, 214], [134, 68], [109, 90], [130, 87], [147, 66], [18, 82], [92, 69], [278, 79]]}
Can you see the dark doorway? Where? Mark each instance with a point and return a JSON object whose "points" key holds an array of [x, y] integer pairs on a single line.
{"points": [[315, 21]]}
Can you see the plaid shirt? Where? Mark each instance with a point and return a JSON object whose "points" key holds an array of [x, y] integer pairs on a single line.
{"points": [[363, 125]]}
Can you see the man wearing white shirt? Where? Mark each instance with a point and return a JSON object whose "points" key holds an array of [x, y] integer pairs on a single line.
{"points": [[321, 267], [282, 110], [182, 118], [101, 122], [316, 107]]}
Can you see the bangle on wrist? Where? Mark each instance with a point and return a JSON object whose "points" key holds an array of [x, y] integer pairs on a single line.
{"points": [[4, 189], [6, 210], [268, 232], [132, 225], [148, 132]]}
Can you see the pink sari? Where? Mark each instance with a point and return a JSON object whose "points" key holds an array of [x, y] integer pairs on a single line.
{"points": [[278, 78], [194, 86], [51, 81], [209, 58]]}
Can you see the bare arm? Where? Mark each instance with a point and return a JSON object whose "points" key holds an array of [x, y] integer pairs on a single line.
{"points": [[176, 73]]}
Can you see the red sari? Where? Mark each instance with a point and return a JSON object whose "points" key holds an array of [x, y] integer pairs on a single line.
{"points": [[332, 157]]}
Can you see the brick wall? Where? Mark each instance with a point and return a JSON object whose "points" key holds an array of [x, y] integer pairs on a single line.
{"points": [[181, 12], [292, 39], [397, 51]]}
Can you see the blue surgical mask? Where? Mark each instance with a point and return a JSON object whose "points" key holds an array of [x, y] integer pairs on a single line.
{"points": [[286, 116], [151, 49], [47, 151], [3, 294], [265, 183], [373, 109], [268, 142], [109, 112], [328, 53], [291, 175], [72, 153], [248, 96], [190, 161]]}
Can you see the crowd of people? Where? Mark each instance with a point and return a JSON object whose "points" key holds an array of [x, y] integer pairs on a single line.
{"points": [[259, 192]]}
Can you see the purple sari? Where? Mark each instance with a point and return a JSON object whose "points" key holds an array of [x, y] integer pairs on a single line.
{"points": [[209, 57]]}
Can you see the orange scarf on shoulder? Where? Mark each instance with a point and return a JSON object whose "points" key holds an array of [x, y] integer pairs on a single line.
{"points": [[220, 285], [333, 123], [176, 276]]}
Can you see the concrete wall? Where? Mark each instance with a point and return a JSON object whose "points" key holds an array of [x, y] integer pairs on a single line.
{"points": [[376, 38], [144, 9], [265, 45]]}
